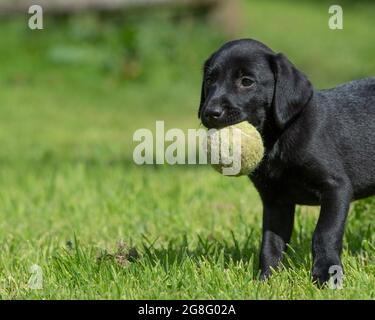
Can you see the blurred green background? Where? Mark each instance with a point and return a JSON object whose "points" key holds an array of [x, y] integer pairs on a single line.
{"points": [[83, 84], [72, 96]]}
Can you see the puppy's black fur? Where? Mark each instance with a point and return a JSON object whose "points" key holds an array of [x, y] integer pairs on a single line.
{"points": [[320, 145]]}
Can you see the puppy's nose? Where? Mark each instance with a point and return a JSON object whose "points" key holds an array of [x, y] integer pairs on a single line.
{"points": [[214, 113]]}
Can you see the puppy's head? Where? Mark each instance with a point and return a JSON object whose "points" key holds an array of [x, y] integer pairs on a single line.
{"points": [[245, 80]]}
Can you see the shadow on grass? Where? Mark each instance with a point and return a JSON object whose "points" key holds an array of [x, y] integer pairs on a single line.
{"points": [[222, 252], [174, 253]]}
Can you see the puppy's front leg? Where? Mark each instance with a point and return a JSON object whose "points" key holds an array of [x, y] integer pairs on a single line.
{"points": [[277, 229], [328, 235]]}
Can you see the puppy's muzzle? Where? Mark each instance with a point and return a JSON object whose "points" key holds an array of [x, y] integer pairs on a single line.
{"points": [[218, 116]]}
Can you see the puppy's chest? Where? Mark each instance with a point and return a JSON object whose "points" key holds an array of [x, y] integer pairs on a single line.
{"points": [[286, 184]]}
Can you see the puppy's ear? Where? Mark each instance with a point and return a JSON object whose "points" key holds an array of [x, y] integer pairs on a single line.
{"points": [[203, 99], [292, 90]]}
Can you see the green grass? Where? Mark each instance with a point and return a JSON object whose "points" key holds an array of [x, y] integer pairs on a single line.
{"points": [[73, 202]]}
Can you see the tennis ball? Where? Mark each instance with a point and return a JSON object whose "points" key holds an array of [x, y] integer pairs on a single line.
{"points": [[235, 150]]}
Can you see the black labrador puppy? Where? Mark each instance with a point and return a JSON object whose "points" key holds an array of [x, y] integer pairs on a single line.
{"points": [[320, 144]]}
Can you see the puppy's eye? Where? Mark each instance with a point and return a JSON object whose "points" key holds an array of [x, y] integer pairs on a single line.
{"points": [[246, 82], [209, 81]]}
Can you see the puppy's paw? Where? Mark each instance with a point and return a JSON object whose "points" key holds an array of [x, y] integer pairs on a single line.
{"points": [[324, 270], [264, 275]]}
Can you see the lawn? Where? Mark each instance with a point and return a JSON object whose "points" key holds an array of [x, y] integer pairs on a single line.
{"points": [[100, 227]]}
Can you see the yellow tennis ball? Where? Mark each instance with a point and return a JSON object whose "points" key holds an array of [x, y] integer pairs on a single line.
{"points": [[235, 150]]}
